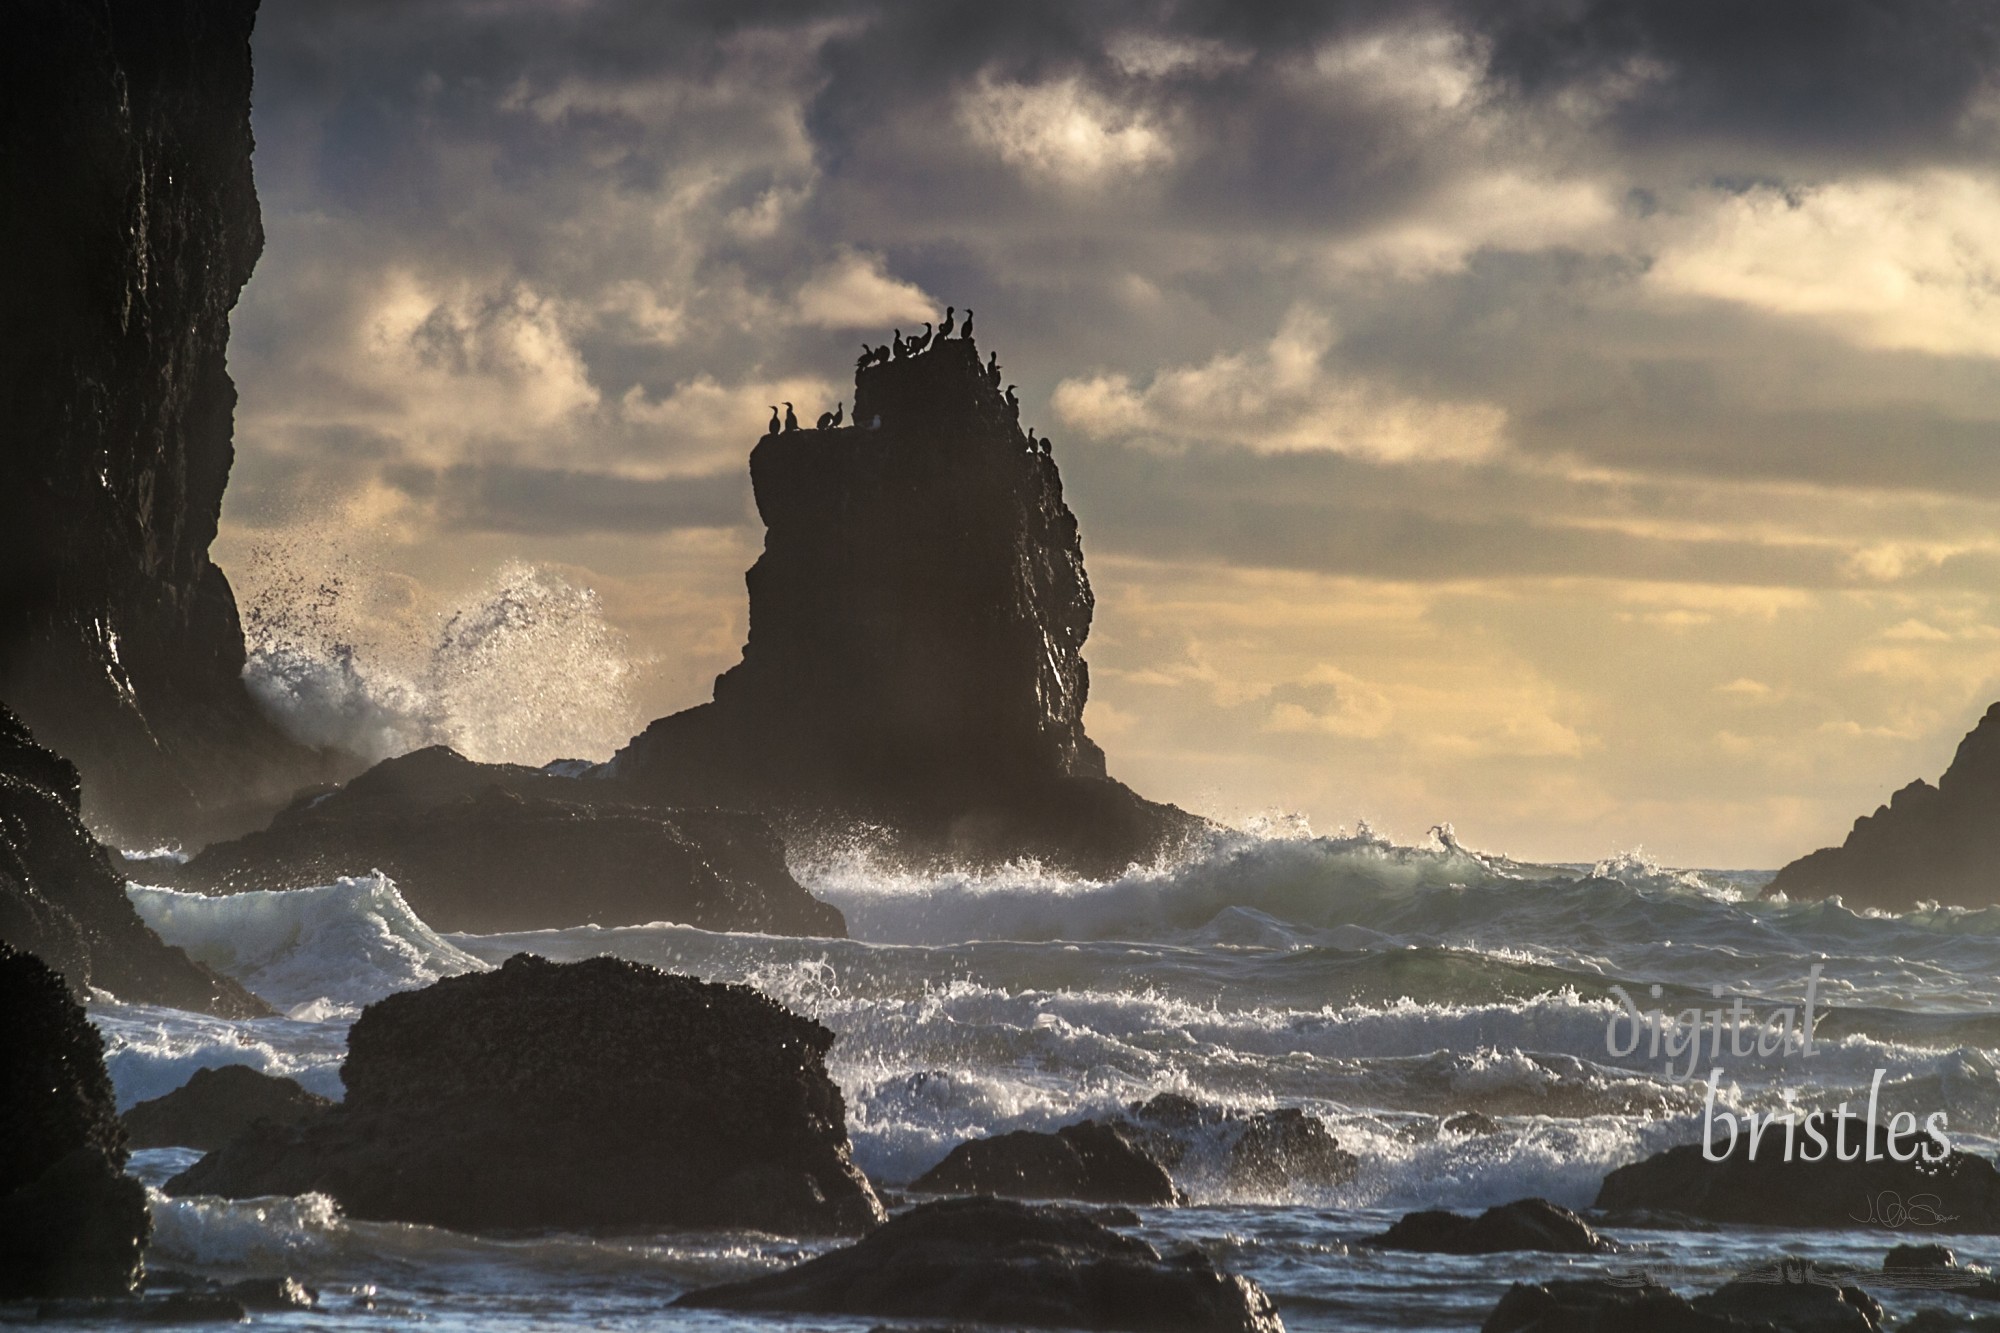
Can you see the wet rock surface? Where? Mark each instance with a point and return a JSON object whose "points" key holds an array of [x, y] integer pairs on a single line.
{"points": [[493, 848], [998, 1261], [599, 1094], [1088, 1162], [1525, 1224], [216, 1105]]}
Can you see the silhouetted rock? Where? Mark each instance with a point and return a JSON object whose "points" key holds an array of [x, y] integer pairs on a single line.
{"points": [[215, 1106], [1525, 1224], [499, 847], [62, 899], [1919, 1258], [1963, 1190], [128, 224], [71, 1223], [1268, 1151], [915, 657], [1087, 1161], [600, 1093], [1929, 843], [1769, 1302], [995, 1261]]}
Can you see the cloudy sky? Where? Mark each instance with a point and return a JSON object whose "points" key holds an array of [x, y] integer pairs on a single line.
{"points": [[1578, 421]]}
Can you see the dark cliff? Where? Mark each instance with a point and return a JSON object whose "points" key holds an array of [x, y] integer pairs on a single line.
{"points": [[1940, 843], [128, 225], [915, 657]]}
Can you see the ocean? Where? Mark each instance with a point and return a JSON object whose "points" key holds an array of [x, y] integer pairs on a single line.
{"points": [[1379, 986]]}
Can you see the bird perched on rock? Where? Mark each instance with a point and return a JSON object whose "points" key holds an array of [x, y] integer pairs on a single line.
{"points": [[825, 421], [993, 370], [791, 418], [775, 423], [866, 359], [1047, 444], [839, 413], [898, 349], [966, 332], [950, 323], [1013, 403], [921, 340], [1031, 439]]}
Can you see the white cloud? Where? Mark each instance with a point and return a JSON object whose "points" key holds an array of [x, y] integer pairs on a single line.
{"points": [[1061, 130], [852, 292]]}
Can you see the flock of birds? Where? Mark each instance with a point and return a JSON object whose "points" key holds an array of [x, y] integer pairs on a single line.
{"points": [[900, 348]]}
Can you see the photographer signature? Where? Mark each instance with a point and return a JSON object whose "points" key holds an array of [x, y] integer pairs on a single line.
{"points": [[1888, 1209]]}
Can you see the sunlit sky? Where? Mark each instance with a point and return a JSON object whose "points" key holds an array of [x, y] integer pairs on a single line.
{"points": [[1573, 421]]}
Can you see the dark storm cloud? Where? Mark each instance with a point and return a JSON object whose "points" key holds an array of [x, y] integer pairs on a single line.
{"points": [[505, 498]]}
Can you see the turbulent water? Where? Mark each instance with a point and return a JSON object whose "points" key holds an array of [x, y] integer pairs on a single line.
{"points": [[1379, 986]]}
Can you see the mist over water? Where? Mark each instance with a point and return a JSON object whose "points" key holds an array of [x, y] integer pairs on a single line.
{"points": [[523, 670], [1380, 986]]}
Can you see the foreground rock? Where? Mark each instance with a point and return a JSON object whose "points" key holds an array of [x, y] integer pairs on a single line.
{"points": [[1088, 1162], [71, 1223], [217, 1105], [498, 847], [130, 222], [594, 1094], [1929, 843], [1525, 1224], [62, 899], [995, 1261], [1788, 1300], [915, 662], [1268, 1152], [1769, 1191]]}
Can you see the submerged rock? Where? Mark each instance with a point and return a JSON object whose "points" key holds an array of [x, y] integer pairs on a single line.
{"points": [[215, 1106], [1594, 1305], [493, 848], [1927, 844], [1087, 1161], [595, 1094], [62, 899], [996, 1261], [131, 223], [1963, 1190], [1525, 1224], [915, 659], [71, 1222]]}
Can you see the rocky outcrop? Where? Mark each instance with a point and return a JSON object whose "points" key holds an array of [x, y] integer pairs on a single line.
{"points": [[1087, 1161], [994, 1261], [1267, 1152], [62, 899], [915, 657], [71, 1222], [498, 847], [217, 1105], [1929, 843], [594, 1094], [128, 224], [1962, 1192], [1525, 1224], [1787, 1299]]}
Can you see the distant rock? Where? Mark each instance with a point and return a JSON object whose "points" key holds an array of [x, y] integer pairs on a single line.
{"points": [[1770, 1191], [1765, 1304], [1525, 1224], [71, 1222], [1088, 1162], [62, 899], [1268, 1151], [1928, 844], [915, 660], [215, 1106], [996, 1261], [1468, 1123], [130, 221], [498, 847], [595, 1094]]}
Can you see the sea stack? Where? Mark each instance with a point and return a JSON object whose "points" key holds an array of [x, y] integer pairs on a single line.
{"points": [[128, 225], [1928, 843], [915, 658]]}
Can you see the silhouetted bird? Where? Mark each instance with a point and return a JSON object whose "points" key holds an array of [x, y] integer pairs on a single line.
{"points": [[1047, 445], [881, 354], [950, 323], [791, 418], [839, 413], [866, 359], [898, 349], [966, 332], [1013, 403], [1031, 439], [774, 420], [825, 421], [993, 370], [921, 341]]}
